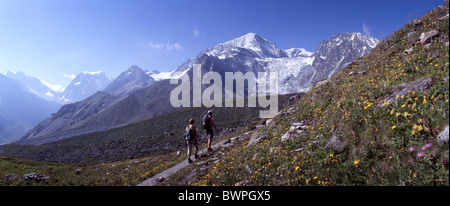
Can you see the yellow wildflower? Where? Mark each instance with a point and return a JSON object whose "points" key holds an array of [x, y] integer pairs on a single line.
{"points": [[356, 162], [420, 128], [393, 127]]}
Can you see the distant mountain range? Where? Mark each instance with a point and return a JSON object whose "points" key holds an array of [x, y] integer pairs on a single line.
{"points": [[84, 85], [20, 110], [81, 87], [135, 95]]}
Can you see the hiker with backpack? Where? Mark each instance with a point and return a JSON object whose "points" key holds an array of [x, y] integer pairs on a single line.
{"points": [[208, 125], [191, 138]]}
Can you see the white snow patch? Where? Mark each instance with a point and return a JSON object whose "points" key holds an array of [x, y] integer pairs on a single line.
{"points": [[63, 98], [161, 76], [92, 73], [49, 94], [56, 88]]}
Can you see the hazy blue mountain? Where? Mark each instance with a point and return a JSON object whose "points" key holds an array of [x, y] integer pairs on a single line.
{"points": [[20, 110]]}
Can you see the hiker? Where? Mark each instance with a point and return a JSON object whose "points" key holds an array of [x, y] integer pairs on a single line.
{"points": [[208, 125], [191, 138]]}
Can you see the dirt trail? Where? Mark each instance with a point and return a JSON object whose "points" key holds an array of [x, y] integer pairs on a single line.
{"points": [[164, 175]]}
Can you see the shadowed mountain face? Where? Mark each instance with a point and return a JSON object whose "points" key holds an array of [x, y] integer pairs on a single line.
{"points": [[129, 81], [102, 111], [338, 52]]}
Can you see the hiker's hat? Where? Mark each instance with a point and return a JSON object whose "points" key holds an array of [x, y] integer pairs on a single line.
{"points": [[210, 111]]}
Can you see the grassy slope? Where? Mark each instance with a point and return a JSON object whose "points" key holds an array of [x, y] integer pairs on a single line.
{"points": [[376, 139]]}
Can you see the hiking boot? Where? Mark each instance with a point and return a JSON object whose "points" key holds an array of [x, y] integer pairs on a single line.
{"points": [[196, 156], [189, 160], [210, 149]]}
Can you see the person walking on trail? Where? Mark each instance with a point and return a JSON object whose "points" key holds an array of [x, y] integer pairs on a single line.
{"points": [[208, 125], [191, 139]]}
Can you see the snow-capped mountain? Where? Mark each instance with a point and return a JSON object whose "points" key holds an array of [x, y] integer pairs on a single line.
{"points": [[84, 85], [298, 69], [260, 47], [129, 81], [158, 76], [298, 52], [248, 48], [339, 51]]}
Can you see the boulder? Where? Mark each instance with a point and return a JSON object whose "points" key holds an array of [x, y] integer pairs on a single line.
{"points": [[288, 135], [335, 144], [417, 22], [443, 137], [270, 122], [293, 99], [408, 51], [253, 139], [426, 37], [10, 177], [443, 18], [416, 85], [35, 177], [319, 84], [410, 34]]}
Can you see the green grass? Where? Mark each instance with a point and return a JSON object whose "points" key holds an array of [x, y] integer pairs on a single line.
{"points": [[120, 173]]}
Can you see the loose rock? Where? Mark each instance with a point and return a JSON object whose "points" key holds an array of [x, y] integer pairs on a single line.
{"points": [[10, 177], [35, 177], [426, 37], [416, 85], [408, 51], [443, 136], [335, 144]]}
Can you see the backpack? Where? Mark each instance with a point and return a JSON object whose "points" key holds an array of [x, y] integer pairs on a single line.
{"points": [[189, 135], [206, 124]]}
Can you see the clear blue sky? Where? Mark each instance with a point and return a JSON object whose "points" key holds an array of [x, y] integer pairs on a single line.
{"points": [[52, 39]]}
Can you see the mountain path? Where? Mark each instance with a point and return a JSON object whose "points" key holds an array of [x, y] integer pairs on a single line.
{"points": [[164, 175]]}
